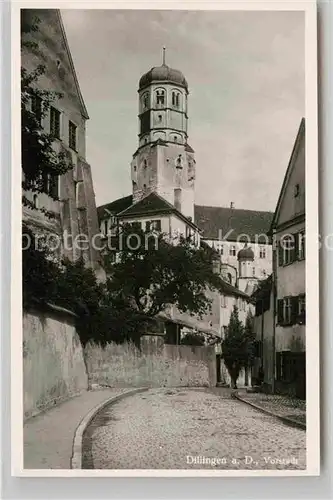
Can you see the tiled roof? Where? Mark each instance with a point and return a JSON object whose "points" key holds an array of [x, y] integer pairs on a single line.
{"points": [[114, 207], [217, 221], [210, 220], [151, 203]]}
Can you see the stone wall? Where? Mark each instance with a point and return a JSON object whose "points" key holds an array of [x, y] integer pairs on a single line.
{"points": [[53, 364], [156, 365]]}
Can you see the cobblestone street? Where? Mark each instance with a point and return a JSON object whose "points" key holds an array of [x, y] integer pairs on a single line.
{"points": [[186, 429]]}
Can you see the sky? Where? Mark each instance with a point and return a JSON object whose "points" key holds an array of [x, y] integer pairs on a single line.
{"points": [[245, 72]]}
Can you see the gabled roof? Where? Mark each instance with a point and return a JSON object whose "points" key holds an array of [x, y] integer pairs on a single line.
{"points": [[298, 142], [150, 203], [82, 104], [153, 204], [216, 222], [210, 220], [115, 207]]}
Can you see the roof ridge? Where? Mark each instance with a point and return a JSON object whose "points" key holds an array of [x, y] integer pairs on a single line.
{"points": [[236, 209]]}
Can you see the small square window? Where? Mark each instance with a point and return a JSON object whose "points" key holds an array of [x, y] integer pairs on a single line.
{"points": [[72, 135]]}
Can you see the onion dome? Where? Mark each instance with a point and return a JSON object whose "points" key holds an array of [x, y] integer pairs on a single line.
{"points": [[163, 74], [246, 253]]}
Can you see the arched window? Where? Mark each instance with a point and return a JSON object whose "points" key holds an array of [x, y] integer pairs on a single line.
{"points": [[145, 100], [160, 97], [175, 99], [35, 201], [145, 163]]}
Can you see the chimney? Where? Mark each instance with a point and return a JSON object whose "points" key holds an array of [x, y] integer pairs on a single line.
{"points": [[232, 205]]}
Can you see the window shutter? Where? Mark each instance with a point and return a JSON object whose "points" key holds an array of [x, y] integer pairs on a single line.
{"points": [[280, 251], [280, 311], [294, 310], [295, 247], [278, 366]]}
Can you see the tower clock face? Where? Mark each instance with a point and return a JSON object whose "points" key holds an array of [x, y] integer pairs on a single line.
{"points": [[145, 122]]}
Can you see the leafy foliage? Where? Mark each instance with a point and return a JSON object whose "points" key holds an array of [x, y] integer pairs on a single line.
{"points": [[250, 338], [234, 347], [195, 339], [101, 317], [41, 164], [158, 273]]}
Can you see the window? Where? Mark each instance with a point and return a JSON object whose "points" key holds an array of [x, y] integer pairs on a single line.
{"points": [[35, 201], [290, 366], [253, 271], [301, 245], [291, 248], [179, 161], [301, 309], [175, 138], [145, 163], [36, 108], [175, 99], [286, 250], [72, 135], [54, 186], [296, 190], [229, 277], [153, 225], [160, 118], [145, 98], [291, 310], [232, 250], [144, 186], [224, 301], [134, 168], [160, 97], [55, 122], [262, 253]]}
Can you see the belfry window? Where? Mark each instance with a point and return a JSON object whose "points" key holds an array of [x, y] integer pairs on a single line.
{"points": [[160, 97], [145, 98], [175, 99]]}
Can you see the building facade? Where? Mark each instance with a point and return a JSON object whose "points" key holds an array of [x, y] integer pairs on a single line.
{"points": [[163, 181], [74, 211], [284, 346]]}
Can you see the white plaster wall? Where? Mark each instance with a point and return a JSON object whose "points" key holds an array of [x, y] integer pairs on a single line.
{"points": [[53, 364]]}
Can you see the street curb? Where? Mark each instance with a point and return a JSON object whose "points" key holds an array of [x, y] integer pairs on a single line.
{"points": [[288, 421], [76, 458]]}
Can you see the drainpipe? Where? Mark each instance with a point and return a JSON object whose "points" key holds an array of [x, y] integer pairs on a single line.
{"points": [[274, 285]]}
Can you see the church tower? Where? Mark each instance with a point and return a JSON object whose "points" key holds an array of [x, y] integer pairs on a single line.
{"points": [[164, 162]]}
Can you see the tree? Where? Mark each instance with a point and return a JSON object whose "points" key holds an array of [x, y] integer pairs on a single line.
{"points": [[234, 347], [158, 273], [41, 164], [250, 337], [195, 339]]}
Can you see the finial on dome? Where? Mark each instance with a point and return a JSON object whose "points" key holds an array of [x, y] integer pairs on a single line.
{"points": [[163, 55]]}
